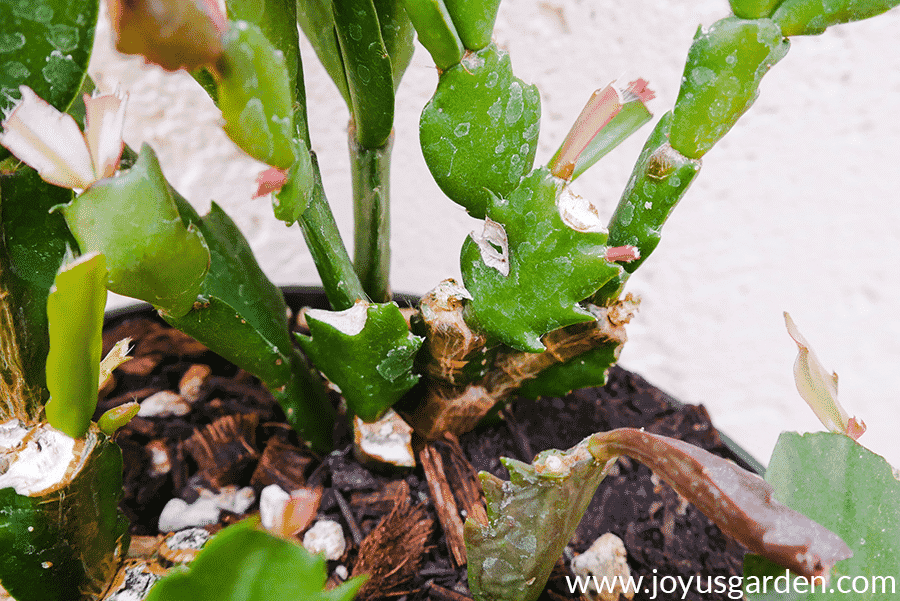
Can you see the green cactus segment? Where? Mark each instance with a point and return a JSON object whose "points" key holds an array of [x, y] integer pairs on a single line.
{"points": [[721, 78], [75, 316], [531, 519], [398, 35], [382, 347], [241, 317], [479, 132], [35, 242], [847, 488], [45, 45], [436, 32], [65, 543], [244, 563], [367, 65], [474, 20], [317, 22], [660, 178], [132, 219], [241, 314], [588, 369], [277, 19], [255, 95], [294, 196], [550, 267], [754, 9], [812, 17]]}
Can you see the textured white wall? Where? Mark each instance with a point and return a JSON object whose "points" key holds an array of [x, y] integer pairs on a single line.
{"points": [[796, 209]]}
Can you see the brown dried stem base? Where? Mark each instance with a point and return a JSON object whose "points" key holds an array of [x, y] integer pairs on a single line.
{"points": [[450, 407]]}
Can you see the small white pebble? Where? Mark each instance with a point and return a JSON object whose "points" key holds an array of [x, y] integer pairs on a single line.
{"points": [[272, 500], [164, 403], [326, 536], [178, 515], [341, 572]]}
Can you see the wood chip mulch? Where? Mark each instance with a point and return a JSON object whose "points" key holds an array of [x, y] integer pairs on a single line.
{"points": [[402, 528]]}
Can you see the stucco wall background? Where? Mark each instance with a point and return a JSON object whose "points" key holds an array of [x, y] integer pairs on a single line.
{"points": [[796, 209]]}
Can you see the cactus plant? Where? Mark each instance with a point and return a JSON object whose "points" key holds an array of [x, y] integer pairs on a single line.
{"points": [[541, 305]]}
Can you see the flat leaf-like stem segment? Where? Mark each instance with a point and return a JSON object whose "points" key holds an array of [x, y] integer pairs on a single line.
{"points": [[65, 541], [849, 489], [811, 17], [255, 95], [242, 316], [479, 131], [721, 79], [46, 45], [553, 264], [379, 341], [659, 180], [244, 563], [474, 20], [532, 517], [75, 317], [368, 68], [436, 31], [150, 253], [34, 244]]}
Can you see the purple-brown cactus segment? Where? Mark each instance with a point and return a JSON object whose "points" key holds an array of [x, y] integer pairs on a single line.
{"points": [[739, 502]]}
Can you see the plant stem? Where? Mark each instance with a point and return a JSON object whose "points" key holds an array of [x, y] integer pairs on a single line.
{"points": [[342, 285], [371, 168]]}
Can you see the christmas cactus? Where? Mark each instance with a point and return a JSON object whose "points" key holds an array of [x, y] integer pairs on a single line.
{"points": [[542, 307]]}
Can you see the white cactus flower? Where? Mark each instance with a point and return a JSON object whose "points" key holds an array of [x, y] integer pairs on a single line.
{"points": [[819, 388], [50, 141]]}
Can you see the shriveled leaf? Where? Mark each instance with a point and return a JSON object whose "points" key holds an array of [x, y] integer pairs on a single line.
{"points": [[610, 116], [150, 253], [243, 563], [479, 131], [532, 517], [367, 64], [819, 388], [75, 316], [849, 489], [377, 338], [45, 45], [555, 257]]}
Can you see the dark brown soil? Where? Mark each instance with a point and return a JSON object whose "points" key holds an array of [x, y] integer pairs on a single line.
{"points": [[664, 535]]}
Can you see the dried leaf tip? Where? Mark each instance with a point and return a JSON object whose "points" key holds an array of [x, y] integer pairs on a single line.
{"points": [[819, 388], [51, 142], [602, 107]]}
